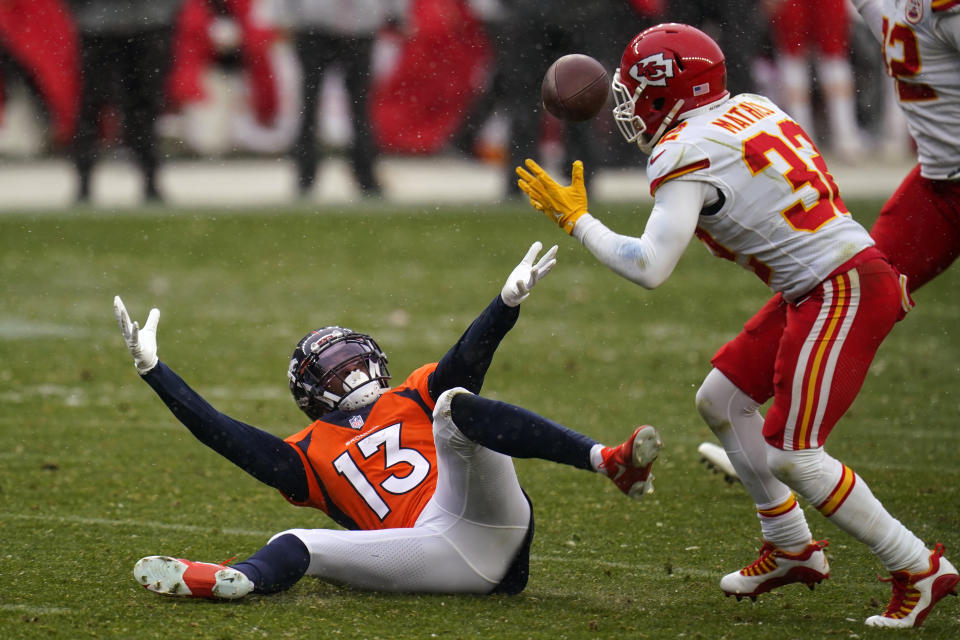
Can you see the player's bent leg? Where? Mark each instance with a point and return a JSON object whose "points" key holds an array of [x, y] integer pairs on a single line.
{"points": [[492, 521], [920, 577], [734, 417], [776, 567], [179, 577], [440, 554], [474, 482]]}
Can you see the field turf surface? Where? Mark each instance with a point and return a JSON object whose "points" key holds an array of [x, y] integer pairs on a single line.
{"points": [[95, 472]]}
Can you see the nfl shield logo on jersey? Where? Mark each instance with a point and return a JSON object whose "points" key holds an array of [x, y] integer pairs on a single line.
{"points": [[356, 422]]}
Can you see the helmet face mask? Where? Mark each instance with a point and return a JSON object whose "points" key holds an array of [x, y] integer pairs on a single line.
{"points": [[666, 71], [632, 126], [336, 368]]}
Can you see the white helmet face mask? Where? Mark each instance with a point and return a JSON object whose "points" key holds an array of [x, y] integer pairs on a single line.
{"points": [[632, 126], [363, 390]]}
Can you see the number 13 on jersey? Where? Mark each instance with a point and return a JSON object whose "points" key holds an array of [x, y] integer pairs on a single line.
{"points": [[409, 467]]}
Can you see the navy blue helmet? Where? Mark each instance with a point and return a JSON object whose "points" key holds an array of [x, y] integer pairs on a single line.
{"points": [[336, 368]]}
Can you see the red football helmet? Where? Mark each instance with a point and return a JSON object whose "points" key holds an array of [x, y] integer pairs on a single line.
{"points": [[665, 72]]}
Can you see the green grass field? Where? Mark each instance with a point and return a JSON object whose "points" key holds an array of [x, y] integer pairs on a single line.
{"points": [[95, 472]]}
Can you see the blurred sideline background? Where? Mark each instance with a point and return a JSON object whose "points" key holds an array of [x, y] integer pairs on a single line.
{"points": [[235, 99], [258, 183]]}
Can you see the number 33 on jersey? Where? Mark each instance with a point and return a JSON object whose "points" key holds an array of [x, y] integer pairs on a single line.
{"points": [[776, 193]]}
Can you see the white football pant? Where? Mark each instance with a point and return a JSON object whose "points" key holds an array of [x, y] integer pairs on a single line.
{"points": [[463, 542]]}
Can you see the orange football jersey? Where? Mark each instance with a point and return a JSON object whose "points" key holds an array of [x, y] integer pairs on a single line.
{"points": [[378, 468]]}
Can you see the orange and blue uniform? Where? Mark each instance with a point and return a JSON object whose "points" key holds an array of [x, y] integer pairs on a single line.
{"points": [[375, 468], [431, 505]]}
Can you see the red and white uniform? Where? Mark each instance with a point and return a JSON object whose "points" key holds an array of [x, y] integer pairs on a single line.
{"points": [[919, 227], [747, 180], [784, 218]]}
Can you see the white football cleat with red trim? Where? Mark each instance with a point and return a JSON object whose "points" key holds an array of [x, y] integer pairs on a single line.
{"points": [[775, 568], [178, 577], [915, 594]]}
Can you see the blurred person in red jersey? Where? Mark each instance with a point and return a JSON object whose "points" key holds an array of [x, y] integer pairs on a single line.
{"points": [[817, 32], [40, 39]]}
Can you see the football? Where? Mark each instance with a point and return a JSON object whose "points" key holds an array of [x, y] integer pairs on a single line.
{"points": [[575, 88]]}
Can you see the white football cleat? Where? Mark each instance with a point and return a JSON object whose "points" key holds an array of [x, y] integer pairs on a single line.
{"points": [[177, 577], [716, 458], [775, 568], [914, 594]]}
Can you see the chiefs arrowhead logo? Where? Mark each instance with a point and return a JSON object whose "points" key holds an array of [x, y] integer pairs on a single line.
{"points": [[914, 11], [655, 69]]}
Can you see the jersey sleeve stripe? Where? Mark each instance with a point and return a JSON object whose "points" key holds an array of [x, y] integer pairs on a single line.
{"points": [[943, 5], [681, 171]]}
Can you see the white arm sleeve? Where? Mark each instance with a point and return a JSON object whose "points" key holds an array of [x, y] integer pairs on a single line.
{"points": [[872, 14], [650, 259]]}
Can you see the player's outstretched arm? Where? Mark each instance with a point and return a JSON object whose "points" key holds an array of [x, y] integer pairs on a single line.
{"points": [[563, 205], [465, 364], [650, 259], [526, 274], [142, 343], [261, 454]]}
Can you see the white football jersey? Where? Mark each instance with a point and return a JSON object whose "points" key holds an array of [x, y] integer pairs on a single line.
{"points": [[921, 48], [781, 214]]}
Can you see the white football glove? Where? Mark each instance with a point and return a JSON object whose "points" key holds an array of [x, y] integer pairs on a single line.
{"points": [[141, 342], [526, 274]]}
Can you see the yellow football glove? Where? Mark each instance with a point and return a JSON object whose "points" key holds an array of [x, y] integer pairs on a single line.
{"points": [[563, 205]]}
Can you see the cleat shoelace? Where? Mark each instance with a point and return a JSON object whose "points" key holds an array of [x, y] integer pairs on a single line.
{"points": [[769, 553], [763, 564], [905, 595]]}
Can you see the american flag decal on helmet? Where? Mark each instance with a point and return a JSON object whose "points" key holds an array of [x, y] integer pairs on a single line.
{"points": [[700, 89]]}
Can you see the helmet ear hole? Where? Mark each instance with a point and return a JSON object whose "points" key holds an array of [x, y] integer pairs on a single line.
{"points": [[658, 104]]}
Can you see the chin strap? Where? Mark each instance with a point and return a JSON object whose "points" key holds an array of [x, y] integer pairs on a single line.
{"points": [[666, 124]]}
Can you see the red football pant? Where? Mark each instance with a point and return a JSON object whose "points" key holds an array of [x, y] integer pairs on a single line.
{"points": [[812, 356], [919, 227]]}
